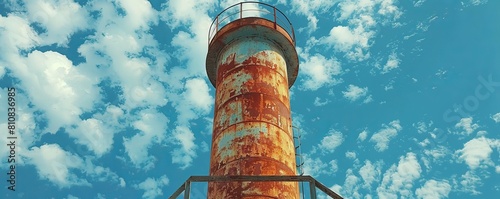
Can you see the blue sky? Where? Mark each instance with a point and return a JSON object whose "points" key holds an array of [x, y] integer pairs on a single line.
{"points": [[394, 99]]}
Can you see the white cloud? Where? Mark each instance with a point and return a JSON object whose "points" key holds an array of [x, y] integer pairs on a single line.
{"points": [[355, 38], [397, 181], [422, 127], [350, 155], [438, 152], [187, 151], [362, 136], [331, 141], [99, 173], [418, 3], [316, 166], [354, 93], [496, 118], [195, 100], [370, 173], [353, 42], [97, 133], [59, 19], [319, 71], [318, 102], [351, 185], [476, 2], [27, 129], [152, 128], [16, 34], [122, 182], [476, 152], [42, 73], [384, 135], [57, 165], [153, 187], [467, 126], [433, 189], [93, 134], [191, 45], [311, 9], [469, 183], [392, 63]]}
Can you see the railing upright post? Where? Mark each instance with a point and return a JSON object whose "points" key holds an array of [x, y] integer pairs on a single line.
{"points": [[274, 9], [216, 25], [187, 189], [241, 10], [312, 189]]}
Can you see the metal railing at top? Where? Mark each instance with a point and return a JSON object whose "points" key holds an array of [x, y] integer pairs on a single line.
{"points": [[251, 9]]}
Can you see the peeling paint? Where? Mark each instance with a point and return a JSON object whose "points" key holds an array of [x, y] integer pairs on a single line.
{"points": [[252, 123]]}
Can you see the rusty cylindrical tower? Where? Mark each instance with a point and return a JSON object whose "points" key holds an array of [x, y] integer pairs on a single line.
{"points": [[252, 62]]}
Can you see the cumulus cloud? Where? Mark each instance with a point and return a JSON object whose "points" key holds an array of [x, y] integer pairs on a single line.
{"points": [[93, 134], [318, 102], [362, 136], [57, 165], [351, 184], [187, 152], [466, 125], [476, 152], [392, 63], [469, 183], [433, 189], [331, 141], [153, 187], [195, 100], [59, 19], [350, 155], [370, 173], [384, 135], [27, 128], [354, 42], [316, 166], [311, 9], [152, 128], [496, 118], [56, 87], [191, 45], [97, 133], [318, 71], [354, 93], [397, 181], [356, 37]]}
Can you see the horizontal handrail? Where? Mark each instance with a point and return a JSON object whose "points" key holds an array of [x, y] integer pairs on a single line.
{"points": [[313, 183]]}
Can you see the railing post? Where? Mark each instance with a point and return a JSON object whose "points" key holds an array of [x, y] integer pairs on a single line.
{"points": [[187, 189], [274, 8], [216, 25], [241, 10], [312, 189]]}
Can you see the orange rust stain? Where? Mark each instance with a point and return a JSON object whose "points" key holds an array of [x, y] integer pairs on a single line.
{"points": [[252, 128]]}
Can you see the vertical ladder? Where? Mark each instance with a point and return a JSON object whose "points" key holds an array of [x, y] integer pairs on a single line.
{"points": [[299, 159]]}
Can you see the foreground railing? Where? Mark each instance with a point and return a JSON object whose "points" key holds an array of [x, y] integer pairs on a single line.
{"points": [[313, 183]]}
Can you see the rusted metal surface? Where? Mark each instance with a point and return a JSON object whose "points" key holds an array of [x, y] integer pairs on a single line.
{"points": [[252, 27], [252, 133]]}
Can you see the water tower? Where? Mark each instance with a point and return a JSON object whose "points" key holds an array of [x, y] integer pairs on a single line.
{"points": [[252, 62]]}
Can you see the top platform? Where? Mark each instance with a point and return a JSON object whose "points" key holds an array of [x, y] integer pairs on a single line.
{"points": [[252, 19]]}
